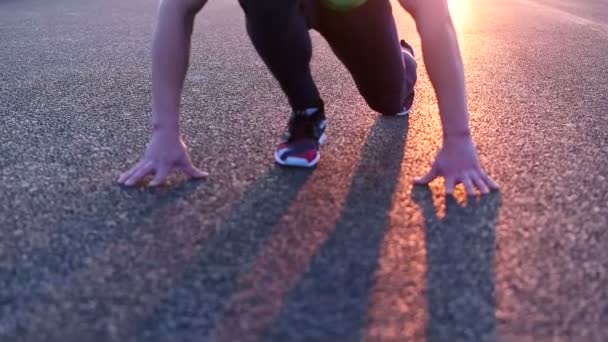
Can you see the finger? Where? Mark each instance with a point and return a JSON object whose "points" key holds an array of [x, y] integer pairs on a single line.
{"points": [[480, 184], [194, 172], [139, 174], [468, 184], [450, 183], [429, 177], [160, 176], [125, 175], [489, 181]]}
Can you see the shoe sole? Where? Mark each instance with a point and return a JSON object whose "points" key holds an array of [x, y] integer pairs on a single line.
{"points": [[412, 54], [404, 112], [404, 47], [299, 162]]}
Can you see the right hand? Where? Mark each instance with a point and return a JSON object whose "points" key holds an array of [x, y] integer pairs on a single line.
{"points": [[165, 152], [457, 162]]}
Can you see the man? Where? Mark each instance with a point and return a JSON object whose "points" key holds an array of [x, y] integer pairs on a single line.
{"points": [[363, 37]]}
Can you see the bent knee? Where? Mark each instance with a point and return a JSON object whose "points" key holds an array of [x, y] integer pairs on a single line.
{"points": [[389, 104]]}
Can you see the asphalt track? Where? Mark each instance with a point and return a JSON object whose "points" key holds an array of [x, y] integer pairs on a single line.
{"points": [[347, 252]]}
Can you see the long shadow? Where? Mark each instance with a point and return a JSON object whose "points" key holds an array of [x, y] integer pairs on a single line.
{"points": [[330, 301], [460, 267], [193, 306], [88, 228]]}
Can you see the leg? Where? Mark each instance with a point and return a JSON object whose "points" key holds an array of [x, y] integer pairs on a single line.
{"points": [[280, 35], [365, 40]]}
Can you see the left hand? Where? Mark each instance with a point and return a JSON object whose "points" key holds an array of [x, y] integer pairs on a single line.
{"points": [[166, 152], [457, 162]]}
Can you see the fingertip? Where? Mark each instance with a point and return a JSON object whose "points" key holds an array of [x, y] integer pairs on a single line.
{"points": [[122, 177], [198, 174], [155, 184], [482, 186], [490, 182], [193, 172], [158, 182]]}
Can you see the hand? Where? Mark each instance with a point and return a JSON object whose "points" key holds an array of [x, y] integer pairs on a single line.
{"points": [[165, 152], [457, 162]]}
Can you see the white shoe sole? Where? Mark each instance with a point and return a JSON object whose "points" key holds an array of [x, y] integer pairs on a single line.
{"points": [[299, 162], [404, 112]]}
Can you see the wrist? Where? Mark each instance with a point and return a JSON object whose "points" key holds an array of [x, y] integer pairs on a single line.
{"points": [[459, 135], [167, 124]]}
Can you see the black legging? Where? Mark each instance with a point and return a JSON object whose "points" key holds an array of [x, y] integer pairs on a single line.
{"points": [[364, 39]]}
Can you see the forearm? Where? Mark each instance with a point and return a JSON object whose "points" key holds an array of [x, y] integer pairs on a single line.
{"points": [[170, 58], [444, 65]]}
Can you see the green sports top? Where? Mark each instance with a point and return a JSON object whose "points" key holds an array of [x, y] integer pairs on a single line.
{"points": [[343, 5]]}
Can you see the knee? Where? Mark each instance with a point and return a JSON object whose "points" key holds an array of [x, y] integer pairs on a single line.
{"points": [[389, 104]]}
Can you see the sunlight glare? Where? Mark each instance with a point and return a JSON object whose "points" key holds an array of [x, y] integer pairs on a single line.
{"points": [[459, 10]]}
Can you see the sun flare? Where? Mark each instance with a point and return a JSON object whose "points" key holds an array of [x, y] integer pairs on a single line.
{"points": [[459, 10]]}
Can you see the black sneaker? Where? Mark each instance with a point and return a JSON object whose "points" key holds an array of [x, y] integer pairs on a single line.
{"points": [[411, 77], [306, 133]]}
